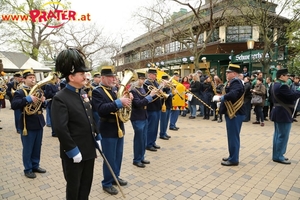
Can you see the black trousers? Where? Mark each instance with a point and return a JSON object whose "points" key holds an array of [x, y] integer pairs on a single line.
{"points": [[79, 177]]}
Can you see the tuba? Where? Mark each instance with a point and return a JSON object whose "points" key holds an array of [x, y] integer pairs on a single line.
{"points": [[125, 113], [33, 107]]}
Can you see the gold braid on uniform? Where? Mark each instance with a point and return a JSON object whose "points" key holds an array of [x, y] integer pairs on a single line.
{"points": [[143, 95], [120, 132], [233, 108]]}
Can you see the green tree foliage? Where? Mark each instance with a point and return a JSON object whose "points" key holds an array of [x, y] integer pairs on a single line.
{"points": [[27, 36]]}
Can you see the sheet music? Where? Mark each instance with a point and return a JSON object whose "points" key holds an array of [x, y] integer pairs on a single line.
{"points": [[295, 108]]}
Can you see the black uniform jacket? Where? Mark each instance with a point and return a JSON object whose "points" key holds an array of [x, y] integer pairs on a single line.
{"points": [[234, 90], [106, 108], [72, 121], [139, 104], [20, 100], [287, 96]]}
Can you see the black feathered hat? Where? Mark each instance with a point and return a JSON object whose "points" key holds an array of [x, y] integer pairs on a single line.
{"points": [[70, 61]]}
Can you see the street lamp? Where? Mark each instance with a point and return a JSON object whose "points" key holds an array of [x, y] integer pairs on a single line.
{"points": [[250, 46]]}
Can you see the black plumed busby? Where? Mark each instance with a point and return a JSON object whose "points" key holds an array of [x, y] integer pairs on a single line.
{"points": [[70, 61]]}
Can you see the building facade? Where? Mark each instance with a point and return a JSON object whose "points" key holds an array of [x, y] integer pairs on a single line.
{"points": [[227, 43]]}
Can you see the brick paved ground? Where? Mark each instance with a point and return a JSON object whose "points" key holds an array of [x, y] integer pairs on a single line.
{"points": [[186, 167]]}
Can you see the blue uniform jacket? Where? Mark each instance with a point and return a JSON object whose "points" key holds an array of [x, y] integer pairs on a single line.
{"points": [[11, 85], [234, 90], [33, 122], [72, 121], [50, 91], [139, 104], [106, 108], [288, 97]]}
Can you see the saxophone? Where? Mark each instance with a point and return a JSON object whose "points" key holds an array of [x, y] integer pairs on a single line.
{"points": [[33, 107], [129, 75]]}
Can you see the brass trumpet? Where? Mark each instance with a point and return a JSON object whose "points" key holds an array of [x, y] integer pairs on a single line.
{"points": [[159, 92]]}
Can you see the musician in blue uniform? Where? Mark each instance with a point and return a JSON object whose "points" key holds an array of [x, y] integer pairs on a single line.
{"points": [[283, 98], [96, 79], [153, 110], [13, 85], [30, 124], [232, 106], [50, 90], [139, 119], [106, 103], [95, 83], [166, 110], [72, 121]]}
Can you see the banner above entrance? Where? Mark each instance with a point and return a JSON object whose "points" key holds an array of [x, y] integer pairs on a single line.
{"points": [[256, 56]]}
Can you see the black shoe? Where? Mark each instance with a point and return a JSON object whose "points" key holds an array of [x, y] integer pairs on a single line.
{"points": [[214, 120], [54, 135], [39, 170], [176, 127], [224, 159], [156, 146], [0, 128], [145, 161], [110, 190], [30, 175], [168, 136], [164, 137], [219, 121], [228, 163], [183, 115], [294, 120], [48, 125], [151, 149], [139, 164], [286, 162], [121, 182], [173, 129], [199, 115], [192, 117]]}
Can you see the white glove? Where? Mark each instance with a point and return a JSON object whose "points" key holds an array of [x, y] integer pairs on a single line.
{"points": [[216, 98], [77, 158], [99, 143]]}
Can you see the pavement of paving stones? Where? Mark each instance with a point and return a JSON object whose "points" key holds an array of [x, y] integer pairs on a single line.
{"points": [[186, 167]]}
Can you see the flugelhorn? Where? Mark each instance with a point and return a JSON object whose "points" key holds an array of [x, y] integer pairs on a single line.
{"points": [[159, 92]]}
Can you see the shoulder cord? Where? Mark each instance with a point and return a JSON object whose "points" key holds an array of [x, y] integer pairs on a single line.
{"points": [[120, 132], [24, 121]]}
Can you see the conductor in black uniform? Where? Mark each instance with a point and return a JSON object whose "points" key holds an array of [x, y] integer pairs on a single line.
{"points": [[72, 120]]}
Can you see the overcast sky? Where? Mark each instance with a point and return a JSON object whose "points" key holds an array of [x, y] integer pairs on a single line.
{"points": [[115, 16]]}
